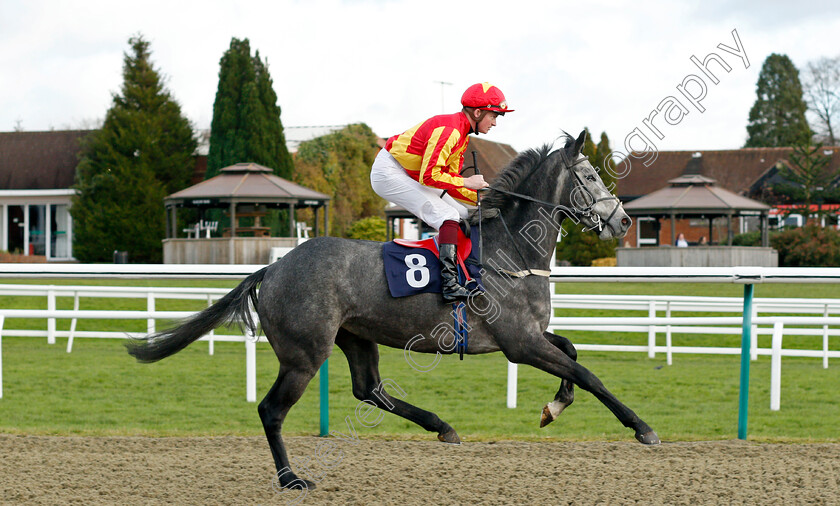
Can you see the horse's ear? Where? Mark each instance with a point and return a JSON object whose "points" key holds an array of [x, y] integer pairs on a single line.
{"points": [[579, 142]]}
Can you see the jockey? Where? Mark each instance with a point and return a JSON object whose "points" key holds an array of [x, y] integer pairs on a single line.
{"points": [[420, 168]]}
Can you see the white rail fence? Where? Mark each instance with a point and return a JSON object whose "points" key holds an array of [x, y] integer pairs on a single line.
{"points": [[767, 315], [768, 319], [151, 295], [672, 305]]}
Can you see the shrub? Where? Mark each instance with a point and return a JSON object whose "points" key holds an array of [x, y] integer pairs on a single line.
{"points": [[372, 228], [581, 247], [809, 246], [604, 262], [749, 239]]}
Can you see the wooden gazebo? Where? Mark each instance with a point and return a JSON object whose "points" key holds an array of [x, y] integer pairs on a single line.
{"points": [[694, 195], [244, 190]]}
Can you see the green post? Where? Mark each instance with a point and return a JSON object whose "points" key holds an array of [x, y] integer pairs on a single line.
{"points": [[743, 397], [324, 379]]}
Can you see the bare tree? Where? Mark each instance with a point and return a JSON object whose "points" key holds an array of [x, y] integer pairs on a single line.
{"points": [[822, 94]]}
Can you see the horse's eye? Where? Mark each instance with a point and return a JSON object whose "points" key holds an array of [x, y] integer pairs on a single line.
{"points": [[590, 177]]}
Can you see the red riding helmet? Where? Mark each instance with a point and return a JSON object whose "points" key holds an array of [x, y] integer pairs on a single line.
{"points": [[486, 97]]}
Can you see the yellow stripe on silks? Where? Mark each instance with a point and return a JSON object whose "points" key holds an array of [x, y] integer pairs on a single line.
{"points": [[433, 168], [399, 150], [464, 195]]}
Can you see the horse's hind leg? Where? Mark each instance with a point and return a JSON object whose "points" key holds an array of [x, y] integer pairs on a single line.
{"points": [[566, 394], [286, 391], [363, 358]]}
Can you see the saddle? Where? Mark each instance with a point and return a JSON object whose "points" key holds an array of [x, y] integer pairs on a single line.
{"points": [[413, 267]]}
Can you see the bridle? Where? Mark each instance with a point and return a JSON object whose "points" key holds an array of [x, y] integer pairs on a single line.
{"points": [[575, 211], [578, 213]]}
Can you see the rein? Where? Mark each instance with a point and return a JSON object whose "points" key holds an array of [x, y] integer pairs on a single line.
{"points": [[587, 212]]}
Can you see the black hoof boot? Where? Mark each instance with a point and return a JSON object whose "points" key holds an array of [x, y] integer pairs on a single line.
{"points": [[452, 290]]}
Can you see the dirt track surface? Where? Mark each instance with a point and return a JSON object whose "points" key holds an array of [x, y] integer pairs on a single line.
{"points": [[238, 470]]}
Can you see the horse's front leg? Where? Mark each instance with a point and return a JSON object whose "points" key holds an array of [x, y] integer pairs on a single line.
{"points": [[566, 394], [538, 352]]}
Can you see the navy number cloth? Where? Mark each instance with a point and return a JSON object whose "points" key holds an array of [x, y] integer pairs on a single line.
{"points": [[416, 269]]}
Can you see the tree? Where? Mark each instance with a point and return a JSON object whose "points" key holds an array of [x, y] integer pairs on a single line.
{"points": [[822, 94], [338, 164], [809, 181], [777, 118], [246, 124], [143, 152], [577, 245]]}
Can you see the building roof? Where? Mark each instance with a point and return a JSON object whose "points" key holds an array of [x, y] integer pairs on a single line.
{"points": [[247, 182], [491, 157], [692, 195], [39, 160], [295, 135], [736, 170]]}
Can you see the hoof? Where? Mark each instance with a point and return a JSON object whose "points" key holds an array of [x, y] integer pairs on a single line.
{"points": [[290, 481], [550, 412], [450, 437], [648, 438]]}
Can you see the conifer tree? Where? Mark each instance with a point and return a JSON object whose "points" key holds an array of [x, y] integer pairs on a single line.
{"points": [[246, 124], [777, 118], [143, 152]]}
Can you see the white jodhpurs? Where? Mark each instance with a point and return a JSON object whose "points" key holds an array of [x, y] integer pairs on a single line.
{"points": [[390, 181]]}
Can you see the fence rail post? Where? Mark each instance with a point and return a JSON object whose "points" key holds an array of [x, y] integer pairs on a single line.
{"points": [[251, 338], [744, 393], [150, 306], [51, 321], [825, 340], [324, 391], [511, 384], [754, 335], [668, 352], [652, 331], [73, 322], [210, 341], [776, 367], [1, 355]]}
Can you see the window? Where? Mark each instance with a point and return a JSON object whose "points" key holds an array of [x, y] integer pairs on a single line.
{"points": [[647, 232], [37, 229], [59, 231], [16, 223]]}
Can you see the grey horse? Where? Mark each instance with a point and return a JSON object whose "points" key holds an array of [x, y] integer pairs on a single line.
{"points": [[331, 291]]}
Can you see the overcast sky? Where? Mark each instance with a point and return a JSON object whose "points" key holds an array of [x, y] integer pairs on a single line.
{"points": [[563, 66]]}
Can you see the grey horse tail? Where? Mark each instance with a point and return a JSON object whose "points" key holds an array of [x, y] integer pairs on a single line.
{"points": [[233, 307]]}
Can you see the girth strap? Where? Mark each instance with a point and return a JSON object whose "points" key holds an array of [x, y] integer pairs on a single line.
{"points": [[522, 274]]}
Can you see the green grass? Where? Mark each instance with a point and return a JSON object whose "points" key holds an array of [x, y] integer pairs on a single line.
{"points": [[99, 389]]}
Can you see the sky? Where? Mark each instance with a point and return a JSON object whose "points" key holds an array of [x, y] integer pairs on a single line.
{"points": [[606, 65]]}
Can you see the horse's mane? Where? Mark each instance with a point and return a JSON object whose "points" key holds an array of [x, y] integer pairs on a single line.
{"points": [[513, 175]]}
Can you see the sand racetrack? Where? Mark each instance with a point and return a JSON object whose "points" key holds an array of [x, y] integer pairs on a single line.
{"points": [[239, 470]]}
